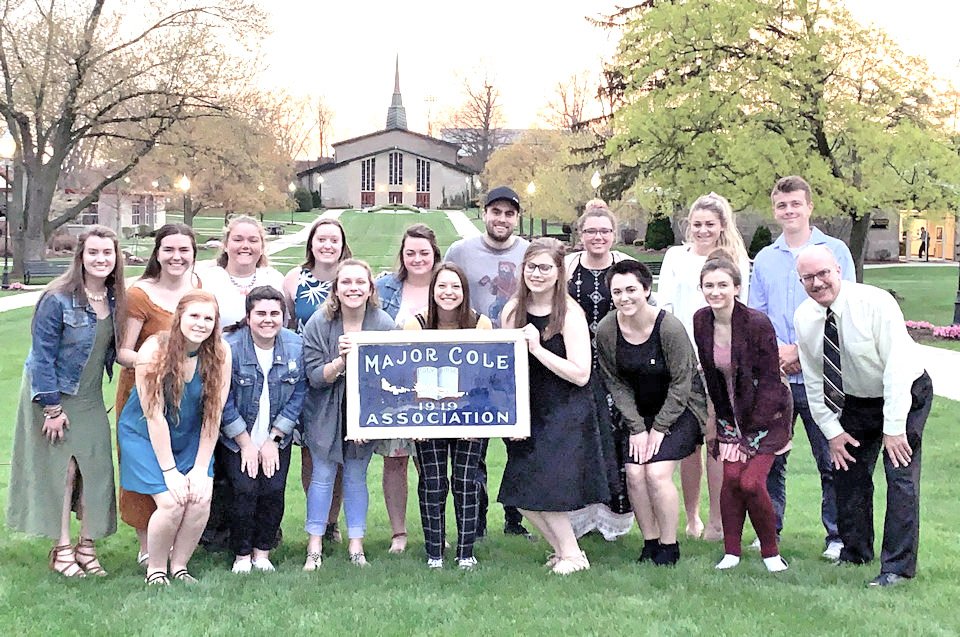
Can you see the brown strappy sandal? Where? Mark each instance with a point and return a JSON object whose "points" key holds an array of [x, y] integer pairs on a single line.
{"points": [[86, 557], [63, 560]]}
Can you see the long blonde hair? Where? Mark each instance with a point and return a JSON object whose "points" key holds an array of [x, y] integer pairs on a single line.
{"points": [[163, 386], [729, 239]]}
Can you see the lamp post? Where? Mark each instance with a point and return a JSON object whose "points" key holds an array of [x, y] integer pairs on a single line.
{"points": [[320, 190], [531, 191], [260, 189], [8, 147], [292, 188], [183, 185]]}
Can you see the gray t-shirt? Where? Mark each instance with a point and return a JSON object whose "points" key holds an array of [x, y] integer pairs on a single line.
{"points": [[493, 275]]}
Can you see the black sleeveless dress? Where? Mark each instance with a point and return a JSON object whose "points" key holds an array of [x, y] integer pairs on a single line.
{"points": [[589, 289], [559, 467]]}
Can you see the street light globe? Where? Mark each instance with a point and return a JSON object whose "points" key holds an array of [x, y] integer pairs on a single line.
{"points": [[320, 179], [292, 187], [531, 189], [183, 184], [8, 146], [595, 180], [155, 183], [261, 188]]}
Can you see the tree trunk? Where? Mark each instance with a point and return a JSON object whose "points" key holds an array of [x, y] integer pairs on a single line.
{"points": [[858, 241]]}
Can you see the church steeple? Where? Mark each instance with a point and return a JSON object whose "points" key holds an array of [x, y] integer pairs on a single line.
{"points": [[396, 114]]}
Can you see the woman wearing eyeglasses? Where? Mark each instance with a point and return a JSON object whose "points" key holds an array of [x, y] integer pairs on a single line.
{"points": [[587, 284], [557, 469]]}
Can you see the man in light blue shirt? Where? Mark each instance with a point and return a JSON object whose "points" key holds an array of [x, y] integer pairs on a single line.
{"points": [[776, 291]]}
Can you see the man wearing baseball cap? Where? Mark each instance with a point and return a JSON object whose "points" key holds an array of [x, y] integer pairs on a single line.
{"points": [[492, 265]]}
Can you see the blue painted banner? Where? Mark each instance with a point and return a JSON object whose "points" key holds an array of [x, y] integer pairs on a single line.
{"points": [[468, 388]]}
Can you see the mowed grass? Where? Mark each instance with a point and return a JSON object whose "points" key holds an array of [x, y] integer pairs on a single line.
{"points": [[375, 237], [510, 593], [928, 292]]}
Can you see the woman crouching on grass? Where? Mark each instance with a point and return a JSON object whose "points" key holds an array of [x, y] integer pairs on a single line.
{"points": [[168, 430], [741, 364], [448, 308], [267, 388]]}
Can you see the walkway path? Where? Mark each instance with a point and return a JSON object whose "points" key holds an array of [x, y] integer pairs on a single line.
{"points": [[462, 224]]}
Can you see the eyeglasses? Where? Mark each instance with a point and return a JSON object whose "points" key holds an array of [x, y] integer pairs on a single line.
{"points": [[545, 268], [592, 232], [823, 275]]}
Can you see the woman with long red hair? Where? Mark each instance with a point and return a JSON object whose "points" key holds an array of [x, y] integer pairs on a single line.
{"points": [[169, 428]]}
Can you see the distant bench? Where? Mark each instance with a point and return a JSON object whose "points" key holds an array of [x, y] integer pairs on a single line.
{"points": [[43, 269]]}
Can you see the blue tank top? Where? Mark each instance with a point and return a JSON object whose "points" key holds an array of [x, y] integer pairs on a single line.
{"points": [[310, 295]]}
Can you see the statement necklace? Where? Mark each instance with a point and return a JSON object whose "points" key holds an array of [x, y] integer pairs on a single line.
{"points": [[244, 288], [96, 298]]}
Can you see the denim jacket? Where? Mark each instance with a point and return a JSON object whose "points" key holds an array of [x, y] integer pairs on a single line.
{"points": [[63, 333], [286, 380], [390, 291]]}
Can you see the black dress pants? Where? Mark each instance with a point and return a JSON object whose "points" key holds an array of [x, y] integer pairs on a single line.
{"points": [[256, 509], [862, 418]]}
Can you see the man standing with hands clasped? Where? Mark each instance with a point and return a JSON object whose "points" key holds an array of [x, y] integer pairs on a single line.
{"points": [[867, 391]]}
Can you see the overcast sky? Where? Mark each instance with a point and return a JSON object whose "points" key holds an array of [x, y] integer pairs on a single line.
{"points": [[344, 51]]}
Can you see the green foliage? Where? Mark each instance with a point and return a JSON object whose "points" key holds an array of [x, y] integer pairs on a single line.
{"points": [[303, 198], [317, 203], [659, 234], [729, 95], [761, 239]]}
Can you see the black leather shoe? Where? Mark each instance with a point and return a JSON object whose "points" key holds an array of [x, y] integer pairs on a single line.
{"points": [[887, 579], [518, 529]]}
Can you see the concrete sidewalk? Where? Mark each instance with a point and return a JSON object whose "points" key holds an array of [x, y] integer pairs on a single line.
{"points": [[462, 224]]}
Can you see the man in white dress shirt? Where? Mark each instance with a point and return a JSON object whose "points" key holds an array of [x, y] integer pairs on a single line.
{"points": [[868, 391]]}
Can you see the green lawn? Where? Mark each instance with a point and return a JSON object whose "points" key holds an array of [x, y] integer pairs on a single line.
{"points": [[928, 292], [510, 593]]}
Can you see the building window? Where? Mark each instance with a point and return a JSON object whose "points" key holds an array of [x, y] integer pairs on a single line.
{"points": [[136, 211], [90, 215], [368, 169], [396, 169], [423, 175]]}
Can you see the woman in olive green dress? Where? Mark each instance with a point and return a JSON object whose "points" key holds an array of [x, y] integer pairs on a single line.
{"points": [[62, 460]]}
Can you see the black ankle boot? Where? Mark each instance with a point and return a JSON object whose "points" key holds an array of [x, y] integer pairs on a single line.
{"points": [[668, 555], [649, 550]]}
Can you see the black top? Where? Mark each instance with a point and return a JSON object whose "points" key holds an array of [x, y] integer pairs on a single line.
{"points": [[590, 290], [646, 370]]}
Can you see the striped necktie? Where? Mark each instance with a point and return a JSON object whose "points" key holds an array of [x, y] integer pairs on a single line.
{"points": [[832, 377]]}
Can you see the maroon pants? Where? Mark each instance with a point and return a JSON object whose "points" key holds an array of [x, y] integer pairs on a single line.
{"points": [[744, 492]]}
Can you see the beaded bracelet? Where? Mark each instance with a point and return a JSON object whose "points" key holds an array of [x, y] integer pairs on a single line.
{"points": [[52, 412]]}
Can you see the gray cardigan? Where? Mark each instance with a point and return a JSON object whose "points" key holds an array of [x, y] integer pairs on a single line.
{"points": [[324, 404], [685, 390]]}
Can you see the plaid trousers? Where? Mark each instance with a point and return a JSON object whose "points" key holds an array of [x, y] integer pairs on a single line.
{"points": [[465, 457]]}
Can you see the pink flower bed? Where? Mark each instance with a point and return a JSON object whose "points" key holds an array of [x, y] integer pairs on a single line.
{"points": [[948, 331]]}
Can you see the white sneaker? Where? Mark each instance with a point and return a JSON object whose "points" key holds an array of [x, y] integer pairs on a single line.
{"points": [[728, 561], [432, 563], [241, 566], [263, 564], [775, 564], [467, 563], [832, 552]]}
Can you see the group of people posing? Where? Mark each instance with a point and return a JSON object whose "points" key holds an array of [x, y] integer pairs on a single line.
{"points": [[226, 368]]}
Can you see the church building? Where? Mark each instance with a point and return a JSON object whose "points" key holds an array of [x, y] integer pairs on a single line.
{"points": [[391, 166]]}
